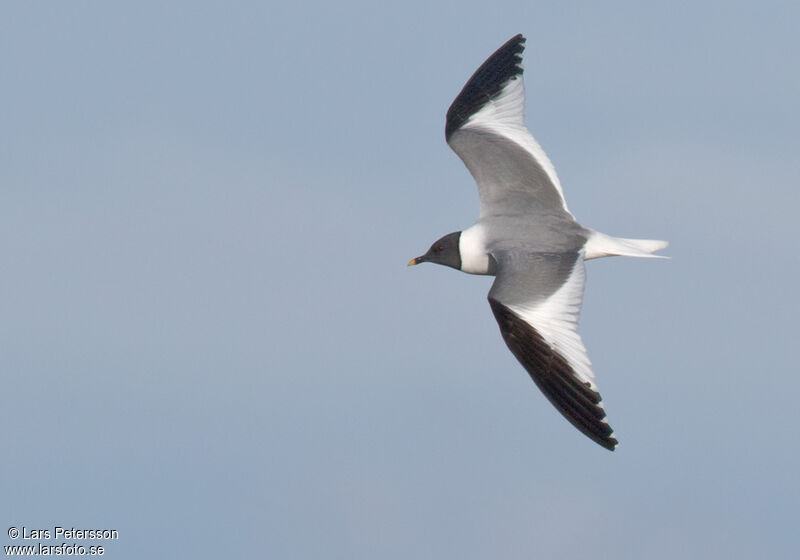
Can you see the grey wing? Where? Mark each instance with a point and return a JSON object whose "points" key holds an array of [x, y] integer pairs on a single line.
{"points": [[536, 299], [485, 129]]}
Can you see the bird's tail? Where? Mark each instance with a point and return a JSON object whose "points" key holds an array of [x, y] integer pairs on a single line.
{"points": [[602, 245]]}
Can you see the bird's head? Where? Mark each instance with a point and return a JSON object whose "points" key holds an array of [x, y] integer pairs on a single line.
{"points": [[444, 251]]}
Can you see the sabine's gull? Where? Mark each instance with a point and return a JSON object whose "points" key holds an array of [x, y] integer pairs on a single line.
{"points": [[527, 238]]}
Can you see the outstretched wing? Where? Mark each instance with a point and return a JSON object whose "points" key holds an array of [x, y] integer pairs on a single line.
{"points": [[485, 128], [536, 299]]}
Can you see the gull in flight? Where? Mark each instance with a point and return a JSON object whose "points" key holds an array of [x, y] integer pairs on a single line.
{"points": [[528, 240]]}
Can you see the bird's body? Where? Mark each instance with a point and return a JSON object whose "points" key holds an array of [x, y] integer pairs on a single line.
{"points": [[528, 239]]}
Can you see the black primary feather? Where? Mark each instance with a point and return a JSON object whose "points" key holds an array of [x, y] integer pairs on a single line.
{"points": [[574, 399], [485, 83]]}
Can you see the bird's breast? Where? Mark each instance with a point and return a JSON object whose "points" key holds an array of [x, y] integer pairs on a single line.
{"points": [[472, 248]]}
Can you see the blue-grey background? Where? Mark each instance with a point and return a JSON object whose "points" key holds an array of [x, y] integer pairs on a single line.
{"points": [[211, 342]]}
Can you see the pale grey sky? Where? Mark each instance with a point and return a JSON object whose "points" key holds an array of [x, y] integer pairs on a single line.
{"points": [[210, 340]]}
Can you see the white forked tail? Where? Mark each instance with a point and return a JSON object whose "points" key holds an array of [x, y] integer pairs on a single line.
{"points": [[602, 245]]}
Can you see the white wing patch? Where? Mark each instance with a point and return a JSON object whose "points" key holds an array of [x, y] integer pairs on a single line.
{"points": [[556, 319], [504, 115]]}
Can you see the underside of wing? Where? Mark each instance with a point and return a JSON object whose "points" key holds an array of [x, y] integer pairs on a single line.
{"points": [[485, 127], [536, 302]]}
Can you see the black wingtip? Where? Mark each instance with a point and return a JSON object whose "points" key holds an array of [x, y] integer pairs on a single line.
{"points": [[486, 82], [609, 443], [574, 399]]}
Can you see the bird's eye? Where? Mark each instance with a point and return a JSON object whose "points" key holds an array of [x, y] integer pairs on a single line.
{"points": [[439, 248]]}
